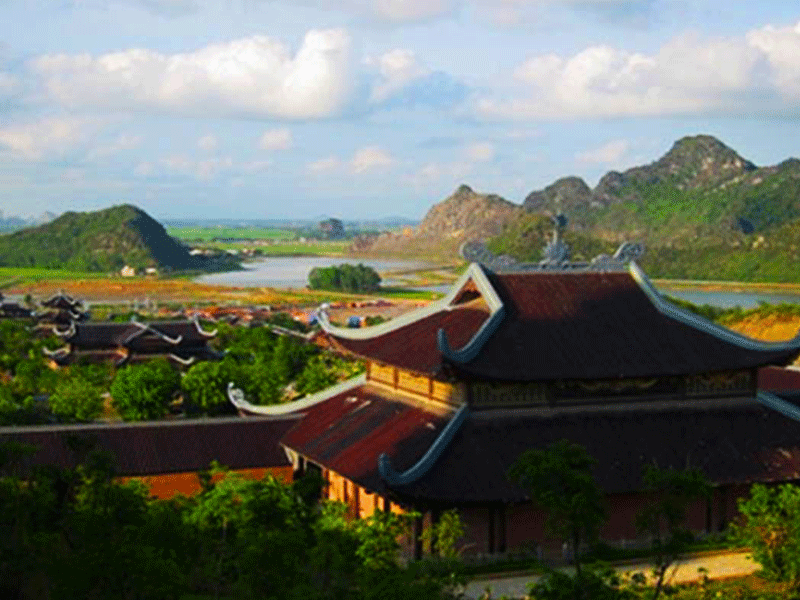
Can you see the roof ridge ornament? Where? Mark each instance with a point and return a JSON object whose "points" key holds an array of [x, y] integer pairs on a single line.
{"points": [[556, 256]]}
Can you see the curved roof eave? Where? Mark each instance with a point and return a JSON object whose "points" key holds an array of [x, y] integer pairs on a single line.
{"points": [[297, 406], [691, 319], [474, 272]]}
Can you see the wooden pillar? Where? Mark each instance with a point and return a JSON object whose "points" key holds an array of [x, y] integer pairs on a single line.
{"points": [[417, 533]]}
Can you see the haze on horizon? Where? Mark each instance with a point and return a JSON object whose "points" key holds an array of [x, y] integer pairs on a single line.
{"points": [[276, 109]]}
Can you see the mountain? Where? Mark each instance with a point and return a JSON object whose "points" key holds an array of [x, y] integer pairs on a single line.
{"points": [[103, 240], [464, 215], [699, 188]]}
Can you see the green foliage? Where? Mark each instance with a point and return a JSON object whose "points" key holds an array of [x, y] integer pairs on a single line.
{"points": [[76, 399], [143, 392], [595, 582], [205, 385], [344, 277], [664, 519], [771, 528], [444, 535], [559, 480], [218, 233]]}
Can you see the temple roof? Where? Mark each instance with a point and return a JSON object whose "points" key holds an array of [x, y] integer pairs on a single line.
{"points": [[732, 440], [348, 432], [160, 336], [558, 324]]}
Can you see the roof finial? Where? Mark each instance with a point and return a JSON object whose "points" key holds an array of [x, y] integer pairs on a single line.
{"points": [[556, 252]]}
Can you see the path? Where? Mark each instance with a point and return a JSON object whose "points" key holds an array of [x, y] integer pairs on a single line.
{"points": [[729, 564]]}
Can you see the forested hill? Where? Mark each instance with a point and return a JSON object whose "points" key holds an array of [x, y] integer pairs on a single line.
{"points": [[104, 240], [699, 188]]}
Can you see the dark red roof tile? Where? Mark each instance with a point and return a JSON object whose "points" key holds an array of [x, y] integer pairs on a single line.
{"points": [[414, 346], [348, 433], [731, 441]]}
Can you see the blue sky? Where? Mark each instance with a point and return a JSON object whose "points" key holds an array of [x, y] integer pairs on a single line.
{"points": [[363, 109]]}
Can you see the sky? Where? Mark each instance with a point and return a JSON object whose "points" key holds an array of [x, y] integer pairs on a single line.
{"points": [[366, 109]]}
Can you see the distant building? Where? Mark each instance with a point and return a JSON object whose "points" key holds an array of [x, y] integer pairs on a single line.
{"points": [[127, 271], [182, 342]]}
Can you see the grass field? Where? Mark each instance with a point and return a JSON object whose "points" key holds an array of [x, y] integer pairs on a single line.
{"points": [[207, 234], [11, 276]]}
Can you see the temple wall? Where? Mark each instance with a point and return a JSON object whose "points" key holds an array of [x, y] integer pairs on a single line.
{"points": [[168, 485]]}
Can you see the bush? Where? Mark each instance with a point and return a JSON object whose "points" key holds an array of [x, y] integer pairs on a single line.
{"points": [[346, 278], [771, 528], [76, 399], [142, 392]]}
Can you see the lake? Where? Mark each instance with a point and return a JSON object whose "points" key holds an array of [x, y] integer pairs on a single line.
{"points": [[292, 271]]}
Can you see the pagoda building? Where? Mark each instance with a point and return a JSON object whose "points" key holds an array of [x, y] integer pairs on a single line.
{"points": [[182, 342], [62, 309], [518, 356]]}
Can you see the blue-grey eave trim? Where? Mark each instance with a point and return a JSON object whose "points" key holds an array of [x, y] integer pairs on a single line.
{"points": [[297, 406], [787, 409], [424, 464], [471, 348], [668, 309], [474, 272]]}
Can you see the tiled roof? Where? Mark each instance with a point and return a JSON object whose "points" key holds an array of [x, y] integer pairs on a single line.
{"points": [[414, 346], [157, 447], [732, 441], [570, 325], [348, 433], [96, 336]]}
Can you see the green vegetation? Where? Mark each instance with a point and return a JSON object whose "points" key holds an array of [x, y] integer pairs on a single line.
{"points": [[78, 534], [215, 234], [345, 277], [664, 520], [145, 392], [101, 241], [559, 479], [771, 528]]}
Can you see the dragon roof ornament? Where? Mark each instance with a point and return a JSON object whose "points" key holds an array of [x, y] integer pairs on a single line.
{"points": [[556, 255]]}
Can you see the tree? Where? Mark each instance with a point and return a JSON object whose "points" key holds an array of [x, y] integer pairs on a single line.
{"points": [[331, 229], [559, 480], [76, 399], [344, 277], [664, 520], [145, 391], [205, 385], [771, 529]]}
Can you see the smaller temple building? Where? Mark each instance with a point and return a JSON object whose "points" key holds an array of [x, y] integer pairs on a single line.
{"points": [[182, 342], [519, 356]]}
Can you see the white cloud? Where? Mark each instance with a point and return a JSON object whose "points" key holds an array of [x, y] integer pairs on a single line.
{"points": [[208, 143], [8, 85], [612, 152], [275, 139], [370, 158], [50, 135], [438, 173], [256, 76], [324, 165], [687, 75], [481, 151], [121, 143], [397, 69], [206, 168]]}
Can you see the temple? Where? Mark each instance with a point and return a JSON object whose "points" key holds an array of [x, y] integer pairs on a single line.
{"points": [[182, 342], [518, 356]]}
